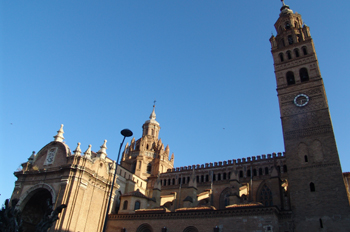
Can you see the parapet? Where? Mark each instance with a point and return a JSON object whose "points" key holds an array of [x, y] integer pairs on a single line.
{"points": [[251, 160]]}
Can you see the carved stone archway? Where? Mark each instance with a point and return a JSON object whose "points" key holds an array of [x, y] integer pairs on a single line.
{"points": [[30, 192]]}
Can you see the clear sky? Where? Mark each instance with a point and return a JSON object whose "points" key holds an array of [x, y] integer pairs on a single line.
{"points": [[97, 66]]}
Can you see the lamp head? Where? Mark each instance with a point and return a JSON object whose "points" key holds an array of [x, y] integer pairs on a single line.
{"points": [[126, 133]]}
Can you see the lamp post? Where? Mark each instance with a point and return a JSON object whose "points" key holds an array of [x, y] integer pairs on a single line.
{"points": [[125, 133]]}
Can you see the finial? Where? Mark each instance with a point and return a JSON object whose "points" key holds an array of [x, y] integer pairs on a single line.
{"points": [[153, 114], [77, 150], [102, 151], [87, 153], [59, 137], [283, 4], [31, 158]]}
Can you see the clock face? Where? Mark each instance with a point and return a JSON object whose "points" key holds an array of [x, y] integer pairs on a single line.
{"points": [[301, 100]]}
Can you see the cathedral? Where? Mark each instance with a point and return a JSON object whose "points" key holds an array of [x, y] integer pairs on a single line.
{"points": [[301, 189]]}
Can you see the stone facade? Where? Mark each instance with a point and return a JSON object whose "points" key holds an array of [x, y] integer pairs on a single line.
{"points": [[301, 189]]}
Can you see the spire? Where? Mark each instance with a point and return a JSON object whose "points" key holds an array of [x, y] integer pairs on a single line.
{"points": [[77, 150], [59, 137], [152, 117], [102, 152], [153, 114], [87, 153]]}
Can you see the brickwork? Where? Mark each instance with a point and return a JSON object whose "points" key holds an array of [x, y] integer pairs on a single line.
{"points": [[302, 189]]}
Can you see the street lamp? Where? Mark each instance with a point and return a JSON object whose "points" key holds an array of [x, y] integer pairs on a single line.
{"points": [[125, 133]]}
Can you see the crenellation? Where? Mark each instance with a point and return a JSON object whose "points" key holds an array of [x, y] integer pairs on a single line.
{"points": [[270, 192]]}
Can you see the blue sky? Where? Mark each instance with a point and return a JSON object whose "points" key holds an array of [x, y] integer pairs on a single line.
{"points": [[97, 67]]}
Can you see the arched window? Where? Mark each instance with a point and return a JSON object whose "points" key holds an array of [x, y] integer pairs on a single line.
{"points": [[248, 173], [179, 180], [287, 25], [278, 169], [202, 178], [125, 205], [290, 39], [290, 78], [149, 168], [133, 167], [254, 172], [188, 179], [224, 176], [197, 179], [266, 196], [284, 168], [147, 147], [168, 181], [260, 172], [306, 159], [289, 55], [144, 228], [207, 178], [173, 182], [225, 198], [281, 57], [321, 223], [304, 50], [137, 205], [164, 182], [219, 176], [312, 187], [266, 171], [190, 229], [184, 180], [296, 52], [214, 177], [304, 75], [240, 173]]}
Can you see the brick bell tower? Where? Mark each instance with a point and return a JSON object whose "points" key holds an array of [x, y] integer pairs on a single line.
{"points": [[317, 192], [147, 156]]}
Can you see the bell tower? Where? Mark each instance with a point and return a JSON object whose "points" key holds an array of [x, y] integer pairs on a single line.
{"points": [[147, 156], [317, 192]]}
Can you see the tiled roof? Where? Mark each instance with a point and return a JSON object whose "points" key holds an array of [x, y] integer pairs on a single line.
{"points": [[210, 208], [136, 193], [244, 205], [155, 210]]}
